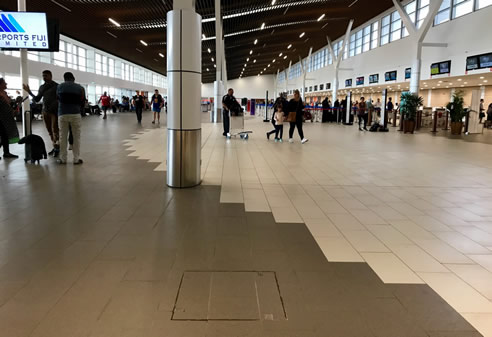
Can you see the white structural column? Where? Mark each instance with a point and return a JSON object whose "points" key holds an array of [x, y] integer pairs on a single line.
{"points": [[24, 73], [218, 84], [337, 59], [418, 35], [184, 63]]}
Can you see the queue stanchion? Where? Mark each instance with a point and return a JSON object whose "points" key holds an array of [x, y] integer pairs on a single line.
{"points": [[369, 118], [434, 123], [446, 121], [467, 121], [401, 123], [395, 114], [419, 119]]}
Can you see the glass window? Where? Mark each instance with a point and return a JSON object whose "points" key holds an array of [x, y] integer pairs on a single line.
{"points": [[60, 56], [443, 13], [358, 42], [352, 45], [82, 55], [422, 12], [411, 9], [33, 56], [98, 64], [462, 7], [374, 34], [483, 3], [366, 38], [395, 26], [385, 29]]}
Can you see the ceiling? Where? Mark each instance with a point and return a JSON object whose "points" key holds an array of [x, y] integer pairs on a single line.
{"points": [[87, 21]]}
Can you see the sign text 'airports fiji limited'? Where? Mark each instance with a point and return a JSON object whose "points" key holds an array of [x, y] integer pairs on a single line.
{"points": [[23, 30]]}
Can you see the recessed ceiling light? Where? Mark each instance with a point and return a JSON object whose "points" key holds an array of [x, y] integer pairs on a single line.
{"points": [[485, 81], [285, 57], [269, 65], [481, 77], [289, 46], [144, 43], [215, 66], [302, 34], [204, 37], [273, 61], [264, 69], [465, 82], [250, 52], [209, 51], [279, 55], [247, 60], [462, 85], [213, 59], [207, 69], [262, 25], [245, 65], [321, 17], [440, 81], [256, 41], [273, 2], [433, 87], [114, 22], [459, 79], [161, 55]]}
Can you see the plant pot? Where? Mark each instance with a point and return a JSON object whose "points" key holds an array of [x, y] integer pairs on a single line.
{"points": [[408, 126], [456, 128]]}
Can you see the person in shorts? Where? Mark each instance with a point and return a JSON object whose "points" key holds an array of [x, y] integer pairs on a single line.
{"points": [[157, 104], [105, 101]]}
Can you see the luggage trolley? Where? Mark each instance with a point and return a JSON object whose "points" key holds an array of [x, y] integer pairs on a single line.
{"points": [[237, 126]]}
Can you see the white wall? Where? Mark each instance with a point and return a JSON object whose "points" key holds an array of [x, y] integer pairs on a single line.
{"points": [[250, 87], [467, 35]]}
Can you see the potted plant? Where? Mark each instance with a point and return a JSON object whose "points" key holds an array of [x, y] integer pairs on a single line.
{"points": [[456, 112], [409, 103]]}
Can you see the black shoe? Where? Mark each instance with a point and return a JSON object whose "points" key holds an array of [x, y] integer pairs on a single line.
{"points": [[10, 155], [268, 135], [224, 134], [78, 162], [365, 129], [56, 153], [51, 152]]}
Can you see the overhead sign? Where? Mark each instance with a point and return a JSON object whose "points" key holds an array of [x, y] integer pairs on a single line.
{"points": [[19, 30]]}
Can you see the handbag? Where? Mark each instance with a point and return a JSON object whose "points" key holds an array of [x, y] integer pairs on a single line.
{"points": [[291, 118]]}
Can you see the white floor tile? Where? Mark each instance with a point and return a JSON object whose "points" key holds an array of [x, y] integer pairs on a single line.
{"points": [[476, 276], [482, 322], [460, 295], [461, 243], [364, 241], [483, 260], [322, 228], [418, 260], [338, 249], [441, 251], [390, 269]]}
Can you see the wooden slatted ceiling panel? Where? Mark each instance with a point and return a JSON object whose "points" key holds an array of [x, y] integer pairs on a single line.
{"points": [[145, 20]]}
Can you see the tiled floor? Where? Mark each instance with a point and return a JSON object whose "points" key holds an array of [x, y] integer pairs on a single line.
{"points": [[408, 205], [106, 249]]}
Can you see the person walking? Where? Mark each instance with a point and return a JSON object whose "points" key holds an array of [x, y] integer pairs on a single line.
{"points": [[105, 101], [8, 127], [157, 104], [228, 102], [47, 92], [138, 103], [71, 97], [362, 114], [280, 101], [279, 118], [295, 109], [481, 113], [326, 111]]}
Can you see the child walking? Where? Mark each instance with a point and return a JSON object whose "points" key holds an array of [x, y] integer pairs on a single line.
{"points": [[279, 123]]}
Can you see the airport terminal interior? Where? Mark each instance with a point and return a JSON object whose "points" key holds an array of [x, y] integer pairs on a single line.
{"points": [[184, 215]]}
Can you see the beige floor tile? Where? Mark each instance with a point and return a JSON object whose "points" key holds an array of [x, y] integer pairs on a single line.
{"points": [[457, 293], [390, 269], [364, 241], [482, 322], [418, 260], [338, 249], [322, 228], [483, 260], [286, 215], [476, 276], [461, 243], [441, 251]]}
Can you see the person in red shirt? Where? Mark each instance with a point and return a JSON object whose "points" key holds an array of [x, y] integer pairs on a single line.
{"points": [[105, 101]]}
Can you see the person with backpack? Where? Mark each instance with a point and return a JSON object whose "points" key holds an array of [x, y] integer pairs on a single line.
{"points": [[138, 103], [105, 101], [8, 127]]}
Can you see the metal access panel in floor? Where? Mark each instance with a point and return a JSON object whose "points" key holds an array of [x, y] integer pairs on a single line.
{"points": [[229, 296]]}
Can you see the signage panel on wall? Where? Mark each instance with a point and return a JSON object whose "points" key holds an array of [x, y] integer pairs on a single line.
{"points": [[408, 73], [23, 30], [441, 68], [359, 80], [373, 78], [390, 76], [479, 62], [348, 83]]}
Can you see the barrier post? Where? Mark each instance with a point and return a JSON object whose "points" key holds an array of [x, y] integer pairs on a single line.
{"points": [[434, 123], [446, 121]]}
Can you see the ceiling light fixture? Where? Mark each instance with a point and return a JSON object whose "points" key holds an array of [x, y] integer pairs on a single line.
{"points": [[247, 60], [273, 2], [254, 61], [209, 51], [321, 17], [114, 22], [269, 66], [289, 46], [61, 6], [203, 36], [285, 57], [161, 55], [262, 25], [207, 69], [256, 41], [273, 61], [302, 34], [280, 55], [109, 33], [250, 52], [144, 43], [213, 59]]}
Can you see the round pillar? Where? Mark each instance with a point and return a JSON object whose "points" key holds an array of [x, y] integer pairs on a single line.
{"points": [[184, 92]]}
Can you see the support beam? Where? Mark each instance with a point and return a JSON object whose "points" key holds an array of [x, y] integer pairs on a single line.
{"points": [[436, 44], [24, 73], [409, 25], [218, 85], [184, 65]]}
